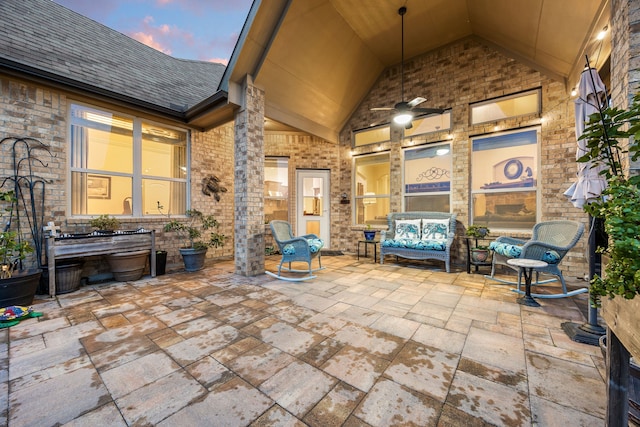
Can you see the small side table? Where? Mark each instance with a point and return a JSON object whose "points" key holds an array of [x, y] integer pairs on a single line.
{"points": [[526, 267], [366, 244], [471, 262]]}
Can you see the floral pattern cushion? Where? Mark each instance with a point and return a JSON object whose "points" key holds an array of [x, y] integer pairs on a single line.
{"points": [[435, 229], [514, 251], [408, 229], [434, 245], [314, 246]]}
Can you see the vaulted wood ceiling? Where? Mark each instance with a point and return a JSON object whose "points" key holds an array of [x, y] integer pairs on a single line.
{"points": [[317, 59]]}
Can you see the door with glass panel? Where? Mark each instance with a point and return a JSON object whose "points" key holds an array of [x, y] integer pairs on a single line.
{"points": [[313, 204]]}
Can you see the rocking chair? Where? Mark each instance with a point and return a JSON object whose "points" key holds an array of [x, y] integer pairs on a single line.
{"points": [[295, 249], [550, 242]]}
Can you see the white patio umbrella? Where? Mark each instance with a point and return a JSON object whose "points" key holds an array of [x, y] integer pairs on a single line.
{"points": [[589, 183], [588, 186]]}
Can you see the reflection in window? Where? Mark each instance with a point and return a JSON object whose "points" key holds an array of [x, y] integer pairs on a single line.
{"points": [[506, 107], [276, 189], [372, 198], [371, 135], [504, 180], [105, 178], [429, 124], [427, 178]]}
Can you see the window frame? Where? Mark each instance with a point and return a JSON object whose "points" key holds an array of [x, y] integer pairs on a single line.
{"points": [[522, 94], [535, 188], [277, 198], [354, 184], [137, 175], [375, 128], [434, 145]]}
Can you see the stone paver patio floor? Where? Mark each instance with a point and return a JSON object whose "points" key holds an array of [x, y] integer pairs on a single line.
{"points": [[360, 345]]}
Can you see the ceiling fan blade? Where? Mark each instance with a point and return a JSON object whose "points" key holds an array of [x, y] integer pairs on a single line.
{"points": [[428, 110], [382, 109], [416, 101]]}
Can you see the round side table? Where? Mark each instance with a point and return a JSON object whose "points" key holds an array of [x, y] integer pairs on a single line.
{"points": [[526, 267]]}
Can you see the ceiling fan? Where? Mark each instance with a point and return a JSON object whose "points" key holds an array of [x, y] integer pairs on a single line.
{"points": [[406, 111]]}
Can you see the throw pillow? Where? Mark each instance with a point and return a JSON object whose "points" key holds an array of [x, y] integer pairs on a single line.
{"points": [[407, 229], [435, 229]]}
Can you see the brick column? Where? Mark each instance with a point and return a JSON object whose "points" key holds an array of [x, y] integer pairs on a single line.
{"points": [[249, 182]]}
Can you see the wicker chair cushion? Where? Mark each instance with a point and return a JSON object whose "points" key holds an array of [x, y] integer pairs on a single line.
{"points": [[408, 229], [514, 251], [435, 245], [314, 246]]}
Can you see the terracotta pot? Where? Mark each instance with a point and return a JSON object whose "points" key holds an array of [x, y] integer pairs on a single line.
{"points": [[128, 266]]}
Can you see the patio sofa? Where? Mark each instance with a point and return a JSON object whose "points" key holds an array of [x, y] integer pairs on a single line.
{"points": [[419, 235]]}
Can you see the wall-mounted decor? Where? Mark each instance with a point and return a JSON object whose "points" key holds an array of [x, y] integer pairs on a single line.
{"points": [[98, 187], [211, 186]]}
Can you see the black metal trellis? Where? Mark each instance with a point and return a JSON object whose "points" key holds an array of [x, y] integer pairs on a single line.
{"points": [[28, 187]]}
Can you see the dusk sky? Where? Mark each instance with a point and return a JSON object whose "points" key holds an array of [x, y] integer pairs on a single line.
{"points": [[205, 30]]}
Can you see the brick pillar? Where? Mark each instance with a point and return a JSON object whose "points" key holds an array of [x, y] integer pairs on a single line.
{"points": [[249, 182]]}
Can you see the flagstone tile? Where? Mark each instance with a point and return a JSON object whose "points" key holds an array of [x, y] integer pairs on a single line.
{"points": [[209, 372], [454, 417], [335, 407], [37, 360], [105, 416], [393, 308], [495, 349], [290, 339], [196, 326], [546, 413], [156, 401], [226, 404], [458, 324], [378, 343], [321, 352], [165, 337], [356, 366], [239, 315], [426, 320], [493, 402], [226, 298], [277, 417], [440, 338], [390, 404], [31, 327], [298, 387], [196, 347], [362, 316], [424, 369], [432, 310], [557, 380], [235, 349], [516, 380], [121, 352], [260, 363], [43, 405], [397, 326], [128, 377], [313, 302], [181, 315], [115, 309], [323, 324]]}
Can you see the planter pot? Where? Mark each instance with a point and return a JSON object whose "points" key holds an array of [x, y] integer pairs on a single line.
{"points": [[68, 275], [19, 289], [161, 262], [193, 258], [369, 234], [479, 255], [128, 266]]}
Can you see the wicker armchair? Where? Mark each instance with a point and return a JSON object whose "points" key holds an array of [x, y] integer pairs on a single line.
{"points": [[550, 242], [295, 249]]}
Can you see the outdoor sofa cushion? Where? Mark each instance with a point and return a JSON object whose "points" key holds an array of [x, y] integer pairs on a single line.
{"points": [[435, 245], [514, 251], [314, 246]]}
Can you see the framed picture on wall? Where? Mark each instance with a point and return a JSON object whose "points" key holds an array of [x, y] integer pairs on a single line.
{"points": [[98, 187]]}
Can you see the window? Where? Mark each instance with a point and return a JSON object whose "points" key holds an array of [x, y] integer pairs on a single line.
{"points": [[429, 124], [124, 166], [371, 135], [427, 178], [276, 189], [505, 107], [372, 189], [504, 180]]}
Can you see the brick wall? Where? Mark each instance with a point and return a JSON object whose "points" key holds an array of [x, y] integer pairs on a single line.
{"points": [[453, 77]]}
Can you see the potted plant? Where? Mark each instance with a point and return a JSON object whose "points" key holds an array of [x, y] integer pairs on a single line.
{"points": [[479, 253], [17, 286], [105, 223], [369, 234], [198, 235]]}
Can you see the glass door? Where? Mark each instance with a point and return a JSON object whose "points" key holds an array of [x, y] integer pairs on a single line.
{"points": [[313, 204]]}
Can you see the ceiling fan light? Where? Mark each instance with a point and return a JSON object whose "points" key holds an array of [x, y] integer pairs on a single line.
{"points": [[403, 118]]}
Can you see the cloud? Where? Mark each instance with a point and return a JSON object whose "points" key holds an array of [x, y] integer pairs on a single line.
{"points": [[223, 61], [149, 41]]}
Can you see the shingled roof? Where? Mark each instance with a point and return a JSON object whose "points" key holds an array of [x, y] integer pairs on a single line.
{"points": [[44, 39]]}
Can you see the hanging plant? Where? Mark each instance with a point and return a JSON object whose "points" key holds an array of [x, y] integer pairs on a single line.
{"points": [[610, 135]]}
